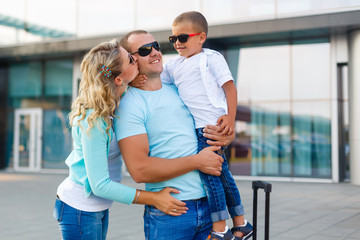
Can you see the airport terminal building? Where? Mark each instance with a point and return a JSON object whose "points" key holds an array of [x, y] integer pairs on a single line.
{"points": [[296, 65]]}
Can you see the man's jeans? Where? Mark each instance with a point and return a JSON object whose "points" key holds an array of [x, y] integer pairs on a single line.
{"points": [[221, 191], [80, 225], [194, 225]]}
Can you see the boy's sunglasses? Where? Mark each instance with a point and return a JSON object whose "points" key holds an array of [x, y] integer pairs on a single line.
{"points": [[146, 49], [182, 37]]}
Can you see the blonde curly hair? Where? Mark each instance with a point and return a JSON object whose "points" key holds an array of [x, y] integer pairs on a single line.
{"points": [[97, 91]]}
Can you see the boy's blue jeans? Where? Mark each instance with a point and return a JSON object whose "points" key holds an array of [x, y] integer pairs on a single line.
{"points": [[221, 191], [80, 225], [194, 225]]}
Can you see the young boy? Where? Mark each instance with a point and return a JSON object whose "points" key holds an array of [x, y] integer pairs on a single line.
{"points": [[206, 86]]}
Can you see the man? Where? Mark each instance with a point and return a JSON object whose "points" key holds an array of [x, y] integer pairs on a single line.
{"points": [[158, 142]]}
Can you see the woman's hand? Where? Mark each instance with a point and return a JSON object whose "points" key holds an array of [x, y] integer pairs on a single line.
{"points": [[168, 204], [212, 132]]}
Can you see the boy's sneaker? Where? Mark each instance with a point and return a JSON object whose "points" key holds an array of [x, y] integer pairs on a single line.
{"points": [[215, 236], [246, 229]]}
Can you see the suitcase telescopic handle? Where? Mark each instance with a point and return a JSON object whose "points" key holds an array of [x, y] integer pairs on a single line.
{"points": [[261, 184], [267, 189]]}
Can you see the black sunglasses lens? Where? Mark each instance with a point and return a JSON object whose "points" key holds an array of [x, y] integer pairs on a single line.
{"points": [[183, 38], [172, 39], [132, 60], [145, 50], [156, 46]]}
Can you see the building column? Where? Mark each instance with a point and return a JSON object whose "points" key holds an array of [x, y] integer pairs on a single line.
{"points": [[354, 105]]}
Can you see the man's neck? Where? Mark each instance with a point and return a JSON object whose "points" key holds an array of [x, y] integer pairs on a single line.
{"points": [[152, 84]]}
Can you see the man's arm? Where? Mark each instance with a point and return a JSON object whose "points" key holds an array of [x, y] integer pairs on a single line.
{"points": [[135, 151]]}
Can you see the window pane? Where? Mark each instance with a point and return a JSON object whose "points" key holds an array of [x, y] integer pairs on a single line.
{"points": [[232, 59], [58, 78], [280, 135], [10, 139], [263, 74], [57, 140], [270, 140], [239, 152], [25, 79], [312, 139], [311, 71]]}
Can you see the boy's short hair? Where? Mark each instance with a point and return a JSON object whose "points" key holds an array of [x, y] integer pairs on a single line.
{"points": [[197, 19]]}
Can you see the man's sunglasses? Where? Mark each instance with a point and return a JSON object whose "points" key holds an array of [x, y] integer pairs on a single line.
{"points": [[146, 49], [183, 38]]}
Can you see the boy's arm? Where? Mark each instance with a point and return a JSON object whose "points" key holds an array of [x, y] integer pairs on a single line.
{"points": [[143, 168], [139, 81], [227, 122], [166, 74]]}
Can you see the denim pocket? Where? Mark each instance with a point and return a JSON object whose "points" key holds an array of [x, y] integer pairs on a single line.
{"points": [[58, 210], [155, 212]]}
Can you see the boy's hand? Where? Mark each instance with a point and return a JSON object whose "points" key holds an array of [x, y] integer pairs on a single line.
{"points": [[215, 138], [139, 81], [226, 125]]}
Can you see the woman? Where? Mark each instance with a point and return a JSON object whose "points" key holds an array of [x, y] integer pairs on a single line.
{"points": [[84, 197]]}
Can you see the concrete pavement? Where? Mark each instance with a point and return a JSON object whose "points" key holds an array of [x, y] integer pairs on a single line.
{"points": [[314, 211]]}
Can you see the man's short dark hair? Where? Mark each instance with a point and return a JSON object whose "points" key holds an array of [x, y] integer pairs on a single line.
{"points": [[124, 40]]}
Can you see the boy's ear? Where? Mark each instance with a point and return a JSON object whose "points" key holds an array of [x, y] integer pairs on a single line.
{"points": [[202, 37]]}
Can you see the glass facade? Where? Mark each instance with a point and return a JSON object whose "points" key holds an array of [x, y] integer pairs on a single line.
{"points": [[46, 85], [283, 125], [293, 104]]}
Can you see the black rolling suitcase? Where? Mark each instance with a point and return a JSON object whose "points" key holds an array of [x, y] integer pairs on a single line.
{"points": [[267, 189]]}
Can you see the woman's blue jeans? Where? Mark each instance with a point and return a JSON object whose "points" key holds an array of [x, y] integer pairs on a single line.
{"points": [[80, 225], [221, 191]]}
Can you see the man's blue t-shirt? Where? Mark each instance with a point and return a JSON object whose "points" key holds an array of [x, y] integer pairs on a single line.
{"points": [[170, 129]]}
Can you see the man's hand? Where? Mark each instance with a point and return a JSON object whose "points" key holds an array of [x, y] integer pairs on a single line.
{"points": [[218, 139], [226, 125], [139, 81], [210, 162]]}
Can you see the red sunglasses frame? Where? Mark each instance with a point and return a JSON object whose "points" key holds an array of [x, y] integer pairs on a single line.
{"points": [[177, 37]]}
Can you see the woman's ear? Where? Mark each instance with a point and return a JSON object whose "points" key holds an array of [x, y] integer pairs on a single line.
{"points": [[118, 81]]}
